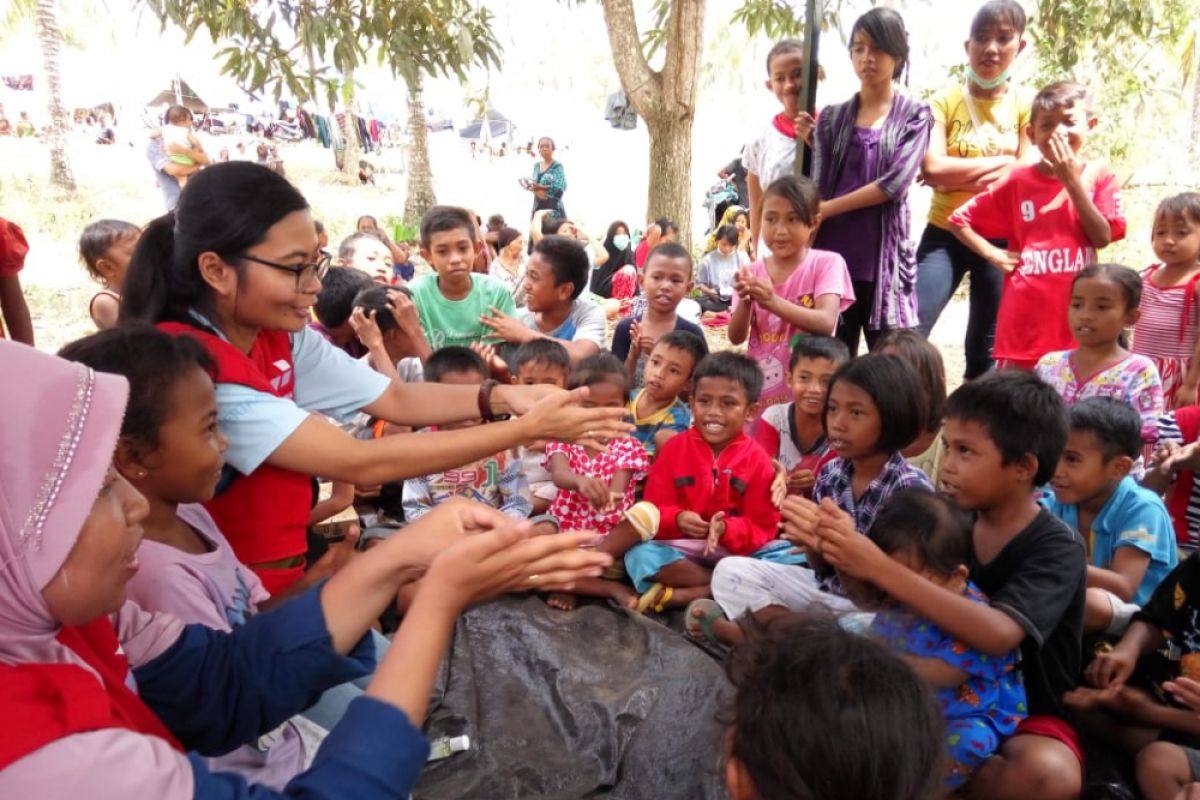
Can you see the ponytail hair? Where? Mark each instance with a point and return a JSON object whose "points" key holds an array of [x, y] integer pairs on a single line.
{"points": [[224, 209]]}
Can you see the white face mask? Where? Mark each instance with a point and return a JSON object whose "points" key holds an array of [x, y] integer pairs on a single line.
{"points": [[620, 241]]}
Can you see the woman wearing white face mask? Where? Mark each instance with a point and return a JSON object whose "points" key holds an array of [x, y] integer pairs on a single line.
{"points": [[978, 137], [618, 271]]}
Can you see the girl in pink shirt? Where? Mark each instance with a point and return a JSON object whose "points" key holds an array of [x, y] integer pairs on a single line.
{"points": [[794, 291]]}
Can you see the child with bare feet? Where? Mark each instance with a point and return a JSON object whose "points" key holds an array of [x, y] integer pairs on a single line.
{"points": [[595, 488], [708, 495]]}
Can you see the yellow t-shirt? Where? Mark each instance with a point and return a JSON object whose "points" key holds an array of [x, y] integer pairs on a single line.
{"points": [[1001, 120]]}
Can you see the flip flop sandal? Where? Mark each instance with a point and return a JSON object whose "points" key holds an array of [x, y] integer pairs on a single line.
{"points": [[701, 628], [656, 592]]}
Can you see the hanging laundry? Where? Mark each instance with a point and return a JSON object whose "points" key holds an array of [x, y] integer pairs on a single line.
{"points": [[619, 112]]}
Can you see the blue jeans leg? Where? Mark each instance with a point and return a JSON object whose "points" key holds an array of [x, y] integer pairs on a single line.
{"points": [[937, 276]]}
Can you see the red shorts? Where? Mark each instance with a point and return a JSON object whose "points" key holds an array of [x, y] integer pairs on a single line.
{"points": [[1053, 728]]}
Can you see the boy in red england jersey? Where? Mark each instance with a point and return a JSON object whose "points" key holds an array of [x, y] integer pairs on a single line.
{"points": [[1055, 215]]}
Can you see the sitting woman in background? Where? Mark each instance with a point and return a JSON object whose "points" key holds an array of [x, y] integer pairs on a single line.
{"points": [[617, 277], [508, 266]]}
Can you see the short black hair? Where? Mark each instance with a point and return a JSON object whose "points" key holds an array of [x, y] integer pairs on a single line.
{"points": [[666, 225], [885, 27], [819, 347], [1185, 205], [1023, 415], [542, 351], [1058, 95], [603, 367], [800, 193], [926, 361], [339, 287], [671, 250], [996, 12], [781, 47], [728, 234], [552, 224], [739, 368], [918, 522], [152, 362], [440, 219], [893, 387], [821, 713], [1116, 426], [99, 237], [349, 245], [568, 261], [454, 359], [375, 298], [496, 220], [1128, 280], [686, 341]]}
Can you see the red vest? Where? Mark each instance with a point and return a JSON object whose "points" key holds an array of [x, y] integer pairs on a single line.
{"points": [[1188, 420], [48, 702], [264, 515]]}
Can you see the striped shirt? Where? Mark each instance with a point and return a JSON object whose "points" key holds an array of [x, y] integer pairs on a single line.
{"points": [[1163, 331], [1168, 431]]}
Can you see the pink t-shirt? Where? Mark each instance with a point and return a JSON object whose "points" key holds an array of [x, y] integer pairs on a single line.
{"points": [[771, 338], [216, 590]]}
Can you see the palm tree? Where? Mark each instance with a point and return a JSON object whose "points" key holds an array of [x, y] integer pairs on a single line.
{"points": [[420, 197], [44, 15]]}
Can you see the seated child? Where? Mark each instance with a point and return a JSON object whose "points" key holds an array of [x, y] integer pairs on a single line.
{"points": [[105, 249], [1104, 304], [453, 301], [385, 321], [1130, 694], [982, 697], [926, 451], [872, 412], [171, 451], [794, 433], [537, 362], [368, 253], [816, 706], [1127, 528], [180, 143], [1004, 434], [403, 270], [556, 277], [665, 281], [495, 481], [657, 408], [708, 495], [596, 487], [717, 269], [335, 303]]}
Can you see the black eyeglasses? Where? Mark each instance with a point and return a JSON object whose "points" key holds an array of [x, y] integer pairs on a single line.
{"points": [[318, 268]]}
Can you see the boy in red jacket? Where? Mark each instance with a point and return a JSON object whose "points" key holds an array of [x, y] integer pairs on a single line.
{"points": [[708, 494]]}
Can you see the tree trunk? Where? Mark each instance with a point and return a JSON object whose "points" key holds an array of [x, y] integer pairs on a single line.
{"points": [[420, 197], [671, 173], [51, 39], [353, 148], [665, 99]]}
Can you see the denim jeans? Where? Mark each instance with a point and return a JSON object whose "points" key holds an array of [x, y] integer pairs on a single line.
{"points": [[942, 261]]}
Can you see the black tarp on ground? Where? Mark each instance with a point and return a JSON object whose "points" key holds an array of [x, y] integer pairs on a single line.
{"points": [[590, 703]]}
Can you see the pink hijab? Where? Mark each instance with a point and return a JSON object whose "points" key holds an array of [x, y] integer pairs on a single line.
{"points": [[60, 423]]}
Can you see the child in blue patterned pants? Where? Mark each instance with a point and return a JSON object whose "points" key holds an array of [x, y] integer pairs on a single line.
{"points": [[982, 696]]}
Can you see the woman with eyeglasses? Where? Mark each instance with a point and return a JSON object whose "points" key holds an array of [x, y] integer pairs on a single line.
{"points": [[237, 266]]}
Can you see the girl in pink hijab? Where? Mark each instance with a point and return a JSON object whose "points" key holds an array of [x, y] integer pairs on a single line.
{"points": [[113, 702]]}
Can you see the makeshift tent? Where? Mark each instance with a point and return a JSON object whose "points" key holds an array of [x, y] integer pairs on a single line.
{"points": [[499, 127], [595, 702], [177, 92]]}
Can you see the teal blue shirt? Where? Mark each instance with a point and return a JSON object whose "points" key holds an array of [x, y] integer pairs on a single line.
{"points": [[1132, 517]]}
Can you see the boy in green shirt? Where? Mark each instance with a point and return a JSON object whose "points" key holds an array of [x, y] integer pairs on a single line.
{"points": [[451, 301]]}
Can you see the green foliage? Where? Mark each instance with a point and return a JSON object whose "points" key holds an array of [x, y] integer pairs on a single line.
{"points": [[1122, 50], [400, 230], [271, 42]]}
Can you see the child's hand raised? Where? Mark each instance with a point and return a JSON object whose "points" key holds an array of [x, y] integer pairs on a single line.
{"points": [[716, 529], [800, 519], [692, 525], [805, 125], [405, 312], [510, 329], [1062, 160], [779, 484], [366, 329], [759, 290], [800, 481], [844, 548]]}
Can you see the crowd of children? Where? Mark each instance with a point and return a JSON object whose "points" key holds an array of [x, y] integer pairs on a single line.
{"points": [[1012, 567]]}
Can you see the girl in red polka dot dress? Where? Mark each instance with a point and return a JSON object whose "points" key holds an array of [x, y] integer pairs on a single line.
{"points": [[596, 487]]}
